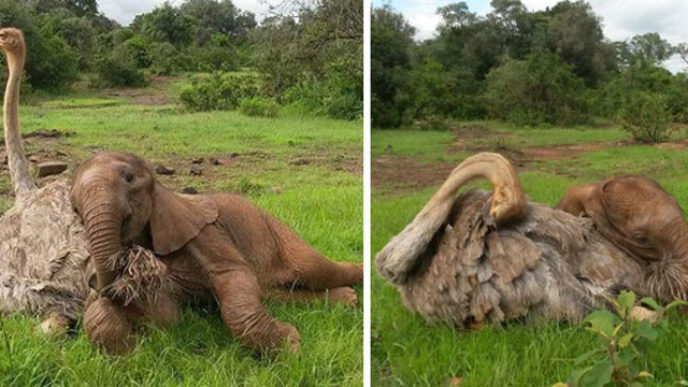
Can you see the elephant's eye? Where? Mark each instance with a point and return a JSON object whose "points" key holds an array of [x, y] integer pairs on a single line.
{"points": [[129, 177]]}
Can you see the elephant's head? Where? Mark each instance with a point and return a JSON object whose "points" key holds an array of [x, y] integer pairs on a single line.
{"points": [[120, 202]]}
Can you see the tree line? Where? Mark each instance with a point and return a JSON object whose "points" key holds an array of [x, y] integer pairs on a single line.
{"points": [[527, 67], [308, 52]]}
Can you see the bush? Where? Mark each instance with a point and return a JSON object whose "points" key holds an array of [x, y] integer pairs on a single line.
{"points": [[119, 69], [540, 89], [50, 64], [219, 91], [164, 59], [258, 107], [647, 117]]}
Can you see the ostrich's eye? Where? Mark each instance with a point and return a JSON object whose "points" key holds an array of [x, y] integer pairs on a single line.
{"points": [[129, 177]]}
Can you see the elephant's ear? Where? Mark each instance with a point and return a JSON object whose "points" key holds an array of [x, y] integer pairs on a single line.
{"points": [[177, 219]]}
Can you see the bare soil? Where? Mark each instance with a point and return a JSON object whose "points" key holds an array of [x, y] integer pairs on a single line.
{"points": [[408, 174], [153, 95]]}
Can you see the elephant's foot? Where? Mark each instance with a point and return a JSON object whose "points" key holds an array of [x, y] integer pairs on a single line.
{"points": [[55, 324], [344, 295], [286, 333], [108, 326]]}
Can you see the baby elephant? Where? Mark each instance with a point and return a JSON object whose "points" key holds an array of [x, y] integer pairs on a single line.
{"points": [[216, 245]]}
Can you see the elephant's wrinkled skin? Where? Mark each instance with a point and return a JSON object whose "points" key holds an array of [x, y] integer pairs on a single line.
{"points": [[219, 245]]}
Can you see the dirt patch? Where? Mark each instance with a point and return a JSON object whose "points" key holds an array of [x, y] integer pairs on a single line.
{"points": [[471, 131], [408, 174], [153, 95], [566, 152], [676, 145]]}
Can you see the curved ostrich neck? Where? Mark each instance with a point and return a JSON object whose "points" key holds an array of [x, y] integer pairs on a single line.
{"points": [[16, 157], [400, 254]]}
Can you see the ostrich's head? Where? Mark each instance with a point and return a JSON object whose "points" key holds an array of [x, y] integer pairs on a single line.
{"points": [[12, 42]]}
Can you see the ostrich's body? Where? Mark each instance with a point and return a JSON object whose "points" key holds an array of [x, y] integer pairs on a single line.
{"points": [[460, 263], [549, 264], [45, 265], [43, 254]]}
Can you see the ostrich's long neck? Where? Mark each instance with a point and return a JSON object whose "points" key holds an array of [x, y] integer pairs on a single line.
{"points": [[16, 157], [400, 254]]}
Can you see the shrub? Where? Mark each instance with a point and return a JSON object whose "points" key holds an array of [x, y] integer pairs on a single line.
{"points": [[164, 59], [646, 116], [50, 64], [258, 107], [620, 358], [540, 89], [219, 91], [119, 69]]}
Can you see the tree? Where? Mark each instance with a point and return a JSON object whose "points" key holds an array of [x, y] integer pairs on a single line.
{"points": [[575, 33], [650, 47], [165, 23], [456, 15], [539, 89], [213, 16], [391, 41]]}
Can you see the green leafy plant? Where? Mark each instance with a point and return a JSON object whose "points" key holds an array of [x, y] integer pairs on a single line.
{"points": [[258, 107], [647, 117], [619, 360], [219, 91]]}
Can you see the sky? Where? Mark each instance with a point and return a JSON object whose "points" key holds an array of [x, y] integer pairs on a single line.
{"points": [[124, 11], [621, 19]]}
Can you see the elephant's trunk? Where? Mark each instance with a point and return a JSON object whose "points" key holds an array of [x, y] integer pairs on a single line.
{"points": [[103, 220]]}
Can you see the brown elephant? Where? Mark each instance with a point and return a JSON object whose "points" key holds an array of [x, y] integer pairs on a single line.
{"points": [[215, 245]]}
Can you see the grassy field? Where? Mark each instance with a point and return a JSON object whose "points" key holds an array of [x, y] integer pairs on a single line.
{"points": [[409, 351], [307, 171]]}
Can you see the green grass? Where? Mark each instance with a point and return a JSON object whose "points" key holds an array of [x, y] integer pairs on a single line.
{"points": [[408, 351], [322, 201]]}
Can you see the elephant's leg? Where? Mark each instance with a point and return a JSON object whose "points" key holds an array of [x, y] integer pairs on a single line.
{"points": [[314, 271], [163, 309], [238, 292], [239, 295], [343, 294]]}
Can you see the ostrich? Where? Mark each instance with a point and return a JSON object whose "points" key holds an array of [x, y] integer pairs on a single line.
{"points": [[488, 257], [44, 260]]}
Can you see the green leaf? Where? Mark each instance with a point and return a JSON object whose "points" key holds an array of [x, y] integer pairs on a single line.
{"points": [[651, 303], [645, 330], [675, 304], [582, 358], [624, 341], [577, 375], [602, 321], [599, 375], [626, 301]]}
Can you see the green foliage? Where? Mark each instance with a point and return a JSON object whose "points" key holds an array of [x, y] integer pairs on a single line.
{"points": [[258, 107], [313, 57], [624, 341], [540, 89], [51, 64], [80, 35], [646, 116], [165, 23], [121, 67], [391, 41], [219, 91], [449, 75]]}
